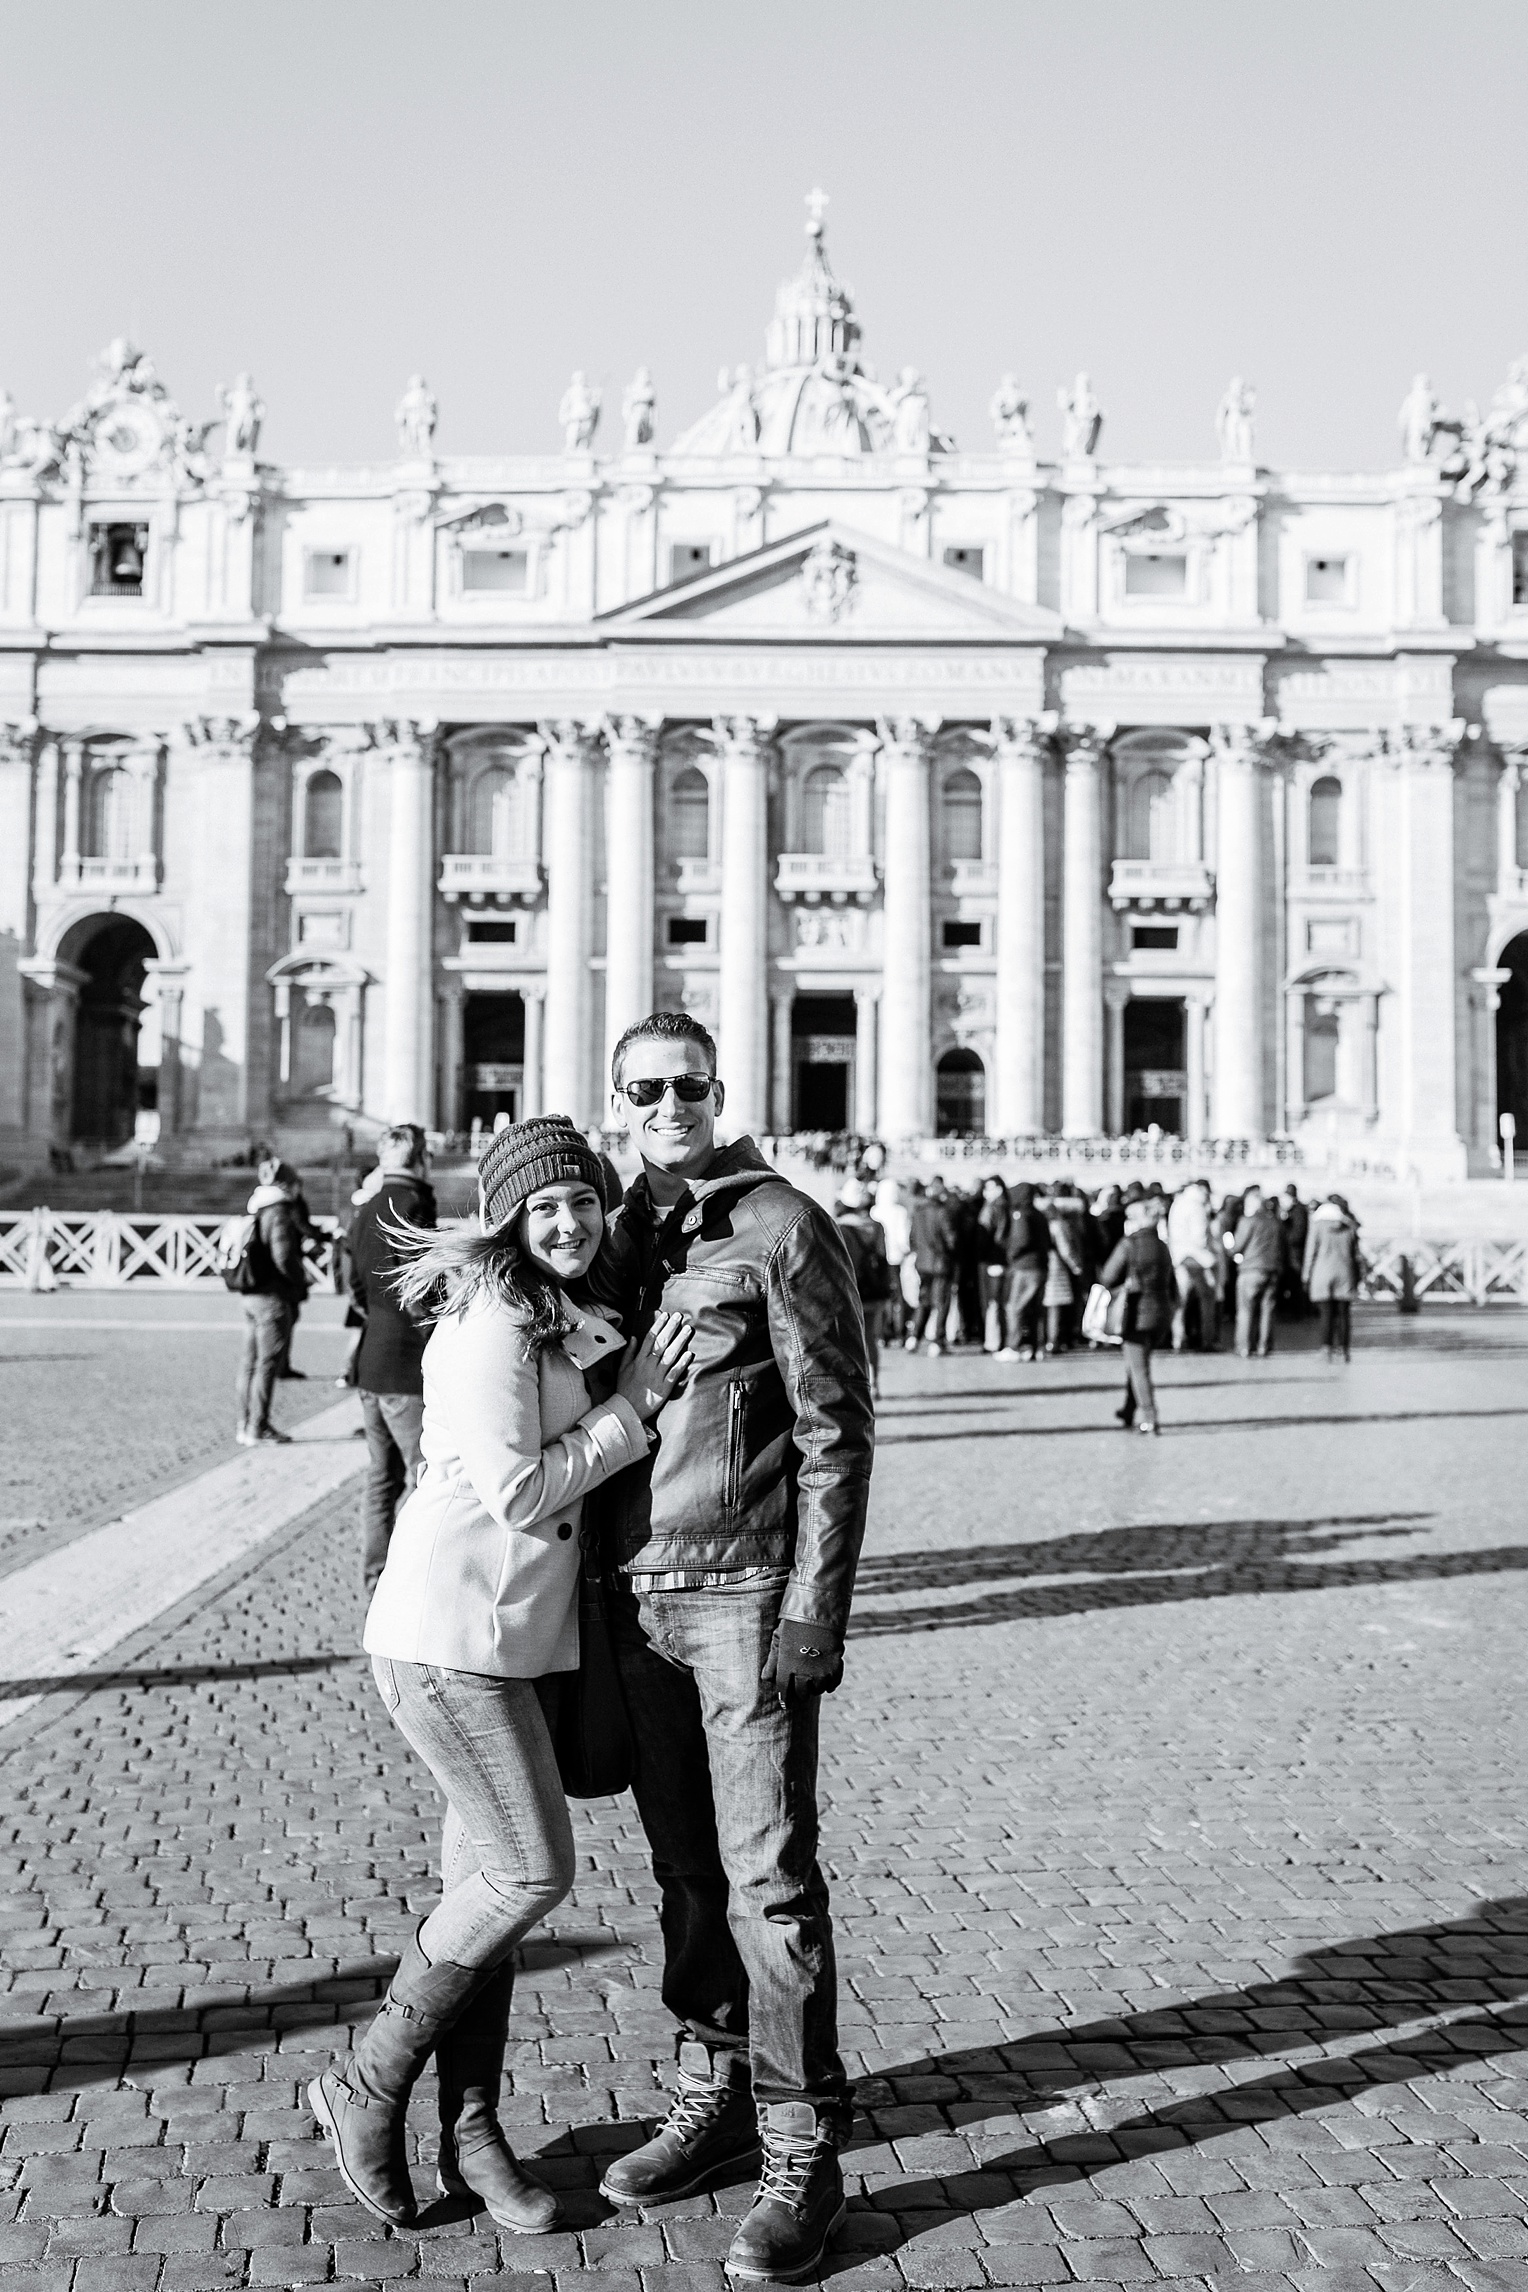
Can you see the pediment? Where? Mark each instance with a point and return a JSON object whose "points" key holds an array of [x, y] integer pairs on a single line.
{"points": [[833, 583]]}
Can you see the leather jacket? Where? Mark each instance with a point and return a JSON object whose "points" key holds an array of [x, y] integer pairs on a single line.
{"points": [[763, 1459]]}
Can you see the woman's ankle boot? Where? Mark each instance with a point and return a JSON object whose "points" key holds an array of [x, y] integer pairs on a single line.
{"points": [[475, 2158], [364, 2108]]}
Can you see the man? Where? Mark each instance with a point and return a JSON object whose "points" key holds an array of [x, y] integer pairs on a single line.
{"points": [[933, 1246], [1028, 1251], [1258, 1249], [388, 1366], [1195, 1258], [736, 1546], [278, 1283], [1296, 1232]]}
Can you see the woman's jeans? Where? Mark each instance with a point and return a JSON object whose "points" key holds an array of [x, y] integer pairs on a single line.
{"points": [[933, 1309], [1139, 1392], [1023, 1307], [1336, 1323], [507, 1851], [727, 1791]]}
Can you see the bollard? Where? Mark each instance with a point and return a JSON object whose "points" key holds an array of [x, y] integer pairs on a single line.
{"points": [[1409, 1302]]}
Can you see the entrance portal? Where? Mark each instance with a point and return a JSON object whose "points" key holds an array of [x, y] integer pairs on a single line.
{"points": [[1512, 1038], [109, 1084], [1156, 1085], [822, 1061], [493, 1057], [960, 1090]]}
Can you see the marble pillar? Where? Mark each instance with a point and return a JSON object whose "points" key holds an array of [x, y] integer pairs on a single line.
{"points": [[1082, 955], [1423, 759], [1021, 750], [74, 772], [532, 1099], [408, 1061], [907, 1070], [743, 1044], [568, 854], [781, 1004], [866, 1045], [1239, 1107], [631, 743], [1193, 1027]]}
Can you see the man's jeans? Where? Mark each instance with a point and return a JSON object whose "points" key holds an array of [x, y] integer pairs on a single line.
{"points": [[1195, 1279], [1023, 1307], [933, 1309], [394, 1422], [1256, 1296], [267, 1332], [727, 1791]]}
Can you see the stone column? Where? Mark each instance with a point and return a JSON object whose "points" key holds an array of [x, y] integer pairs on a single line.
{"points": [[74, 770], [408, 1062], [1239, 1107], [1193, 1027], [866, 1087], [1507, 788], [632, 745], [743, 1048], [226, 1032], [1082, 951], [568, 853], [1116, 997], [45, 861], [451, 1057], [50, 1107], [1021, 750], [143, 766], [907, 1077], [531, 1092], [167, 981], [1294, 1037], [1426, 976], [781, 1003]]}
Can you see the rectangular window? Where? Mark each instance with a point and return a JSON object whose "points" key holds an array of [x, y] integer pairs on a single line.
{"points": [[1520, 568], [1326, 580], [499, 572], [961, 934], [687, 931], [1161, 936], [965, 561], [326, 573], [687, 558], [491, 934], [1150, 575], [118, 554]]}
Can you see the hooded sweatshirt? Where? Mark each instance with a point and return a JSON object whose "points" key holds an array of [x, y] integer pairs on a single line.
{"points": [[282, 1273]]}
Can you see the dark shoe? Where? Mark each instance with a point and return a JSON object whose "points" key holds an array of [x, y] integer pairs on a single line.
{"points": [[711, 2127], [475, 2160], [1125, 1417], [266, 1436], [292, 1376], [800, 2201], [365, 2110]]}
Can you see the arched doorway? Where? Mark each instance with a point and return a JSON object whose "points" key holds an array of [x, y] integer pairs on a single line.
{"points": [[1512, 1036], [109, 1084], [960, 1084]]}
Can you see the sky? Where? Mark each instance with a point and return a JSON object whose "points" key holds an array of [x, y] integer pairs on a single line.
{"points": [[1320, 195]]}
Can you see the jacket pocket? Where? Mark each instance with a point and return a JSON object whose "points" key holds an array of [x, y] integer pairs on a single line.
{"points": [[732, 1478]]}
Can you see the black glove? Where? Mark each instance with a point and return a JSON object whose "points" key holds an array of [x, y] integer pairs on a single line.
{"points": [[804, 1659]]}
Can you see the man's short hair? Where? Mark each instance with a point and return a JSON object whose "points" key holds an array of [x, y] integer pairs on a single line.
{"points": [[401, 1144], [663, 1027]]}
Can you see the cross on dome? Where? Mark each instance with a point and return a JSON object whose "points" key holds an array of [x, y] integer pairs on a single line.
{"points": [[816, 208]]}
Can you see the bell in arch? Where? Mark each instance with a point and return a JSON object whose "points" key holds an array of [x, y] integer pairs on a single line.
{"points": [[126, 556]]}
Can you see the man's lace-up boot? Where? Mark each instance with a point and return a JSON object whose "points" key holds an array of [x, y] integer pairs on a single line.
{"points": [[364, 2110], [800, 2202], [711, 2126], [475, 2159]]}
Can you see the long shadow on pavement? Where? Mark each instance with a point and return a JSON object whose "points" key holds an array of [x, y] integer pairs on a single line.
{"points": [[181, 1675], [1142, 1566], [1194, 1424], [1379, 1983]]}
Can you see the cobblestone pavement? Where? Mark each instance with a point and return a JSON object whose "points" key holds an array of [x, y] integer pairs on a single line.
{"points": [[1175, 1815]]}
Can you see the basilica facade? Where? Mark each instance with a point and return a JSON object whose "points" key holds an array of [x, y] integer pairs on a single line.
{"points": [[959, 792]]}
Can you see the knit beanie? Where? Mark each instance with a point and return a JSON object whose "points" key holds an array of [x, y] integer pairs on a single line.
{"points": [[525, 1156]]}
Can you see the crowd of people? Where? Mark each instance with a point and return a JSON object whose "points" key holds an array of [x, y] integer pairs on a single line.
{"points": [[1010, 1269]]}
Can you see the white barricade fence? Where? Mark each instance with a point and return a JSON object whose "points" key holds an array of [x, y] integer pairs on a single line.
{"points": [[107, 1249]]}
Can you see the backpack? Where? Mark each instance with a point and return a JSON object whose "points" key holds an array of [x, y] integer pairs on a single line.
{"points": [[239, 1255]]}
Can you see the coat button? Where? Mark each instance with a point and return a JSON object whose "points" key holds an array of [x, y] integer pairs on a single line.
{"points": [[564, 1529]]}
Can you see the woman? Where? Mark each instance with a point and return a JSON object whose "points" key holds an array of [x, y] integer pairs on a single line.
{"points": [[1330, 1272], [1028, 1253], [1142, 1267], [891, 1214], [867, 1254], [471, 1628], [992, 1221], [1066, 1266]]}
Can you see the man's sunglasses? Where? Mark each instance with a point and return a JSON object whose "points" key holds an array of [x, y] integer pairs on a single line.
{"points": [[692, 1088]]}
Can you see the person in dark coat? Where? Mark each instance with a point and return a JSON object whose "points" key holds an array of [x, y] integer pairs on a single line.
{"points": [[992, 1222], [1024, 1291], [388, 1362], [1108, 1221], [866, 1244], [970, 1247], [933, 1245], [1142, 1267], [1330, 1271], [1296, 1230], [1069, 1267], [278, 1284], [1258, 1248]]}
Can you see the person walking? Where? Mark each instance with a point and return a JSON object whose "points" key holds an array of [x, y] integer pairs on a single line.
{"points": [[736, 1552], [892, 1215], [276, 1284], [867, 1254], [388, 1367], [933, 1248], [1329, 1272], [473, 1625], [1024, 1289], [1195, 1257], [1066, 1267], [993, 1219], [1258, 1251], [1141, 1265]]}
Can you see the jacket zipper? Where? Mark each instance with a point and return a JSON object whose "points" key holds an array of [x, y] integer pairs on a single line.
{"points": [[732, 1486]]}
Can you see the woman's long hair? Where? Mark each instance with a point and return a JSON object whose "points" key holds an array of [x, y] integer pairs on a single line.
{"points": [[449, 1268]]}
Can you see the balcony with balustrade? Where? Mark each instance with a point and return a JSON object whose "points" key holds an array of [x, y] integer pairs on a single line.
{"points": [[833, 876], [1168, 887], [479, 877], [306, 875]]}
